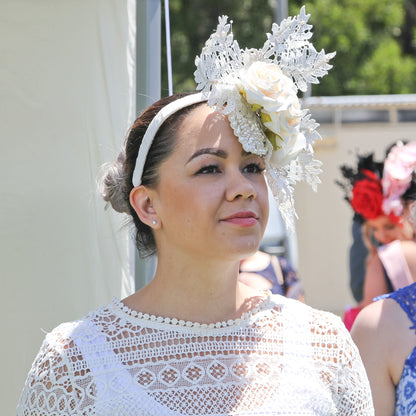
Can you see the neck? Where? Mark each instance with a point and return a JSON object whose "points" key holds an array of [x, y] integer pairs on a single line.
{"points": [[195, 291]]}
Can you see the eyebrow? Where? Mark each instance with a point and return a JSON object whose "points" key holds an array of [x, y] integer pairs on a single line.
{"points": [[212, 151]]}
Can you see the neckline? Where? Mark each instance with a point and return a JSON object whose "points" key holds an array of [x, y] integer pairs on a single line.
{"points": [[142, 317]]}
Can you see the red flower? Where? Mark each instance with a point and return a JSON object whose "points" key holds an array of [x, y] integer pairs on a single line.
{"points": [[367, 197], [370, 174]]}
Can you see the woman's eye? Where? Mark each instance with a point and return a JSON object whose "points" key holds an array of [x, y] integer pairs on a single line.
{"points": [[208, 169], [253, 168]]}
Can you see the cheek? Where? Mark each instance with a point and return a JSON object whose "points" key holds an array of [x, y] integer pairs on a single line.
{"points": [[379, 235], [263, 201], [187, 205], [265, 206], [180, 209], [376, 234]]}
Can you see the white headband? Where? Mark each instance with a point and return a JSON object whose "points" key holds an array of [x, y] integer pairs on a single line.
{"points": [[153, 128]]}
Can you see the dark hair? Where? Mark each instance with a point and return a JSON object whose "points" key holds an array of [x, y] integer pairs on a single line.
{"points": [[117, 180], [410, 194]]}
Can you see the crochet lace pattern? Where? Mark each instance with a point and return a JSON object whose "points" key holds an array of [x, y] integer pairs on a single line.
{"points": [[283, 358]]}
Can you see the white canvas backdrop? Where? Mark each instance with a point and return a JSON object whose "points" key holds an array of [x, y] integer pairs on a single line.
{"points": [[66, 101]]}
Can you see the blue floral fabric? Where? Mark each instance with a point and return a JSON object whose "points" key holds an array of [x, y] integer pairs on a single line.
{"points": [[406, 389]]}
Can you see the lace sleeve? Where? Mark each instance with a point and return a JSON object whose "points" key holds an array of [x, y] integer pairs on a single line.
{"points": [[354, 393], [54, 385]]}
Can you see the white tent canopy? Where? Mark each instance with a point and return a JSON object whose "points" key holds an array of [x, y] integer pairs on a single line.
{"points": [[67, 98]]}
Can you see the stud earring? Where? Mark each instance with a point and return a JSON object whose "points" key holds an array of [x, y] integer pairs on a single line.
{"points": [[154, 222]]}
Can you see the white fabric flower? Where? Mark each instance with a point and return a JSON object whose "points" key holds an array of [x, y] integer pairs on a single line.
{"points": [[274, 96], [266, 85]]}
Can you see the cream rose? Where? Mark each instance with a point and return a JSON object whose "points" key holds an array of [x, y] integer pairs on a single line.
{"points": [[289, 149], [265, 84], [273, 94]]}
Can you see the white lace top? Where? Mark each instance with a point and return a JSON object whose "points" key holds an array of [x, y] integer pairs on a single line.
{"points": [[283, 358]]}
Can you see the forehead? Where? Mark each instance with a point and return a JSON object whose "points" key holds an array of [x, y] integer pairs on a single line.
{"points": [[205, 127], [382, 221]]}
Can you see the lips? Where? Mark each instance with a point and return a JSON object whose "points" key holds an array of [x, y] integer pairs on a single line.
{"points": [[242, 219]]}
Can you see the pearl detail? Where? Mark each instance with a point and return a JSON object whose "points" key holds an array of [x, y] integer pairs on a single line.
{"points": [[189, 324]]}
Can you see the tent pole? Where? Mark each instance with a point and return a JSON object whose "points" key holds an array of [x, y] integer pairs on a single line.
{"points": [[148, 87]]}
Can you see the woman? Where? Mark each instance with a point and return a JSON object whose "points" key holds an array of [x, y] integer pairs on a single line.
{"points": [[266, 271], [195, 340], [370, 193], [385, 335], [385, 330]]}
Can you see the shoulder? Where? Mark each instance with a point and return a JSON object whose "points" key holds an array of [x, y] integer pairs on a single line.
{"points": [[393, 246], [376, 331], [328, 334], [382, 313], [405, 247], [319, 321], [326, 337], [396, 247], [62, 347], [369, 317], [58, 372], [65, 335], [378, 325]]}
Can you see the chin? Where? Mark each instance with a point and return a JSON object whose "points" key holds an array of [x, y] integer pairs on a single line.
{"points": [[239, 248], [247, 249]]}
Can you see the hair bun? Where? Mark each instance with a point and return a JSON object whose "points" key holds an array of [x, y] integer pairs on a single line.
{"points": [[112, 186]]}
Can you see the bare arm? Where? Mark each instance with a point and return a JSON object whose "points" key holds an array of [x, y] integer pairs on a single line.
{"points": [[374, 282], [372, 335]]}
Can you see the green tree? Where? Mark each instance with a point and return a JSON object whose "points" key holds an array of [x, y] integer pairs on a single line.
{"points": [[375, 40], [193, 21], [371, 54], [395, 75]]}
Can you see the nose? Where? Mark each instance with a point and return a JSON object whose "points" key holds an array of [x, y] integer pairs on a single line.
{"points": [[239, 186]]}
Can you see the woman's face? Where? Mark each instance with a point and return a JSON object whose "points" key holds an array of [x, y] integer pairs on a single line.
{"points": [[384, 230], [211, 198]]}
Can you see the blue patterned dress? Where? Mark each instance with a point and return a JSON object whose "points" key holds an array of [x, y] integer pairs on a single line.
{"points": [[406, 389]]}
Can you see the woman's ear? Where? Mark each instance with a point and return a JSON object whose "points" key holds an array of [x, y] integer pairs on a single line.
{"points": [[141, 201]]}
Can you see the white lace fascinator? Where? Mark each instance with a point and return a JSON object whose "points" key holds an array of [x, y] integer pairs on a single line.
{"points": [[257, 90]]}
